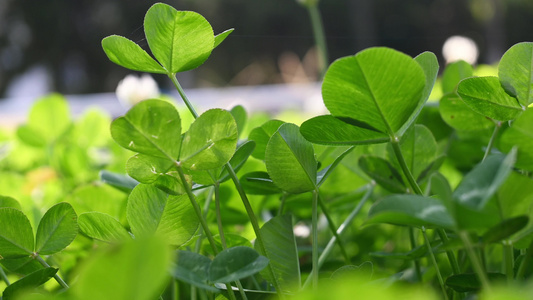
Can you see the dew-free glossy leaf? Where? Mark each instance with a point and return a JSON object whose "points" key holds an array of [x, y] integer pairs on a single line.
{"points": [[57, 229], [458, 115], [259, 183], [383, 173], [239, 114], [210, 142], [16, 234], [261, 135], [378, 88], [102, 227], [129, 55], [119, 181], [290, 160], [463, 283], [28, 282], [158, 171], [151, 211], [480, 184], [505, 229], [179, 40], [151, 127], [6, 201], [280, 246], [516, 72], [219, 38], [192, 268], [486, 96], [236, 263], [410, 210], [329, 130], [133, 270], [454, 73], [430, 65], [237, 161], [520, 135]]}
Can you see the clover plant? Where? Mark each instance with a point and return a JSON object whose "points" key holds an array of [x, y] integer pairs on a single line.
{"points": [[383, 181]]}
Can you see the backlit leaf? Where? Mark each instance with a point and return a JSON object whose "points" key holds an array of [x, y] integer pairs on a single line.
{"points": [[129, 55], [516, 72], [16, 234], [57, 229], [102, 227]]}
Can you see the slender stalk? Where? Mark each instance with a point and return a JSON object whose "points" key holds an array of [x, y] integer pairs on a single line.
{"points": [[242, 194], [255, 226], [508, 260], [451, 257], [435, 264], [56, 277], [197, 209], [525, 262], [331, 226], [474, 259], [182, 94], [320, 37], [492, 139], [282, 203], [4, 276], [341, 229], [314, 240], [413, 246], [399, 156]]}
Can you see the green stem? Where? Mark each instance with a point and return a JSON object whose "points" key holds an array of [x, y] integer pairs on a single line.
{"points": [[196, 208], [314, 239], [4, 276], [525, 262], [399, 156], [341, 229], [56, 277], [492, 139], [474, 259], [320, 37], [413, 246], [508, 260], [255, 226], [282, 203], [451, 256], [434, 261], [182, 94], [242, 194], [331, 226]]}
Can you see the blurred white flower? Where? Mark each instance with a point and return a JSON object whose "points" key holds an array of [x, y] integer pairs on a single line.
{"points": [[460, 48], [132, 89], [301, 230]]}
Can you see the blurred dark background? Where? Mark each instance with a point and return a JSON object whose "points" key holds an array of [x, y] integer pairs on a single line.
{"points": [[56, 43]]}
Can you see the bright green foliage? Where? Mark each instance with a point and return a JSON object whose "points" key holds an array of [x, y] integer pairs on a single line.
{"points": [[290, 160], [377, 89], [239, 114], [280, 244], [210, 141], [151, 127], [133, 270], [157, 171], [236, 263], [28, 282], [103, 227], [128, 54], [48, 119], [519, 135], [261, 135], [16, 234], [515, 72], [57, 229], [486, 96], [151, 211], [179, 40], [458, 115], [9, 202], [453, 74]]}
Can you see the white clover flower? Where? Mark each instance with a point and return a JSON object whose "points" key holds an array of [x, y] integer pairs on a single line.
{"points": [[132, 89], [460, 48]]}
